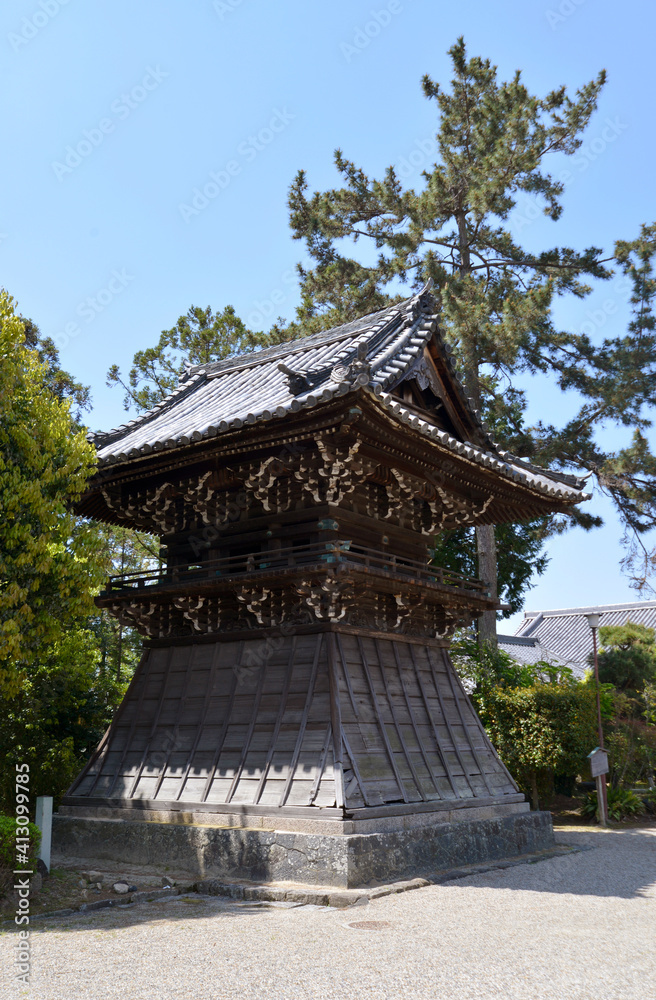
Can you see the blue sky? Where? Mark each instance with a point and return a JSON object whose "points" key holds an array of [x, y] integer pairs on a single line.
{"points": [[115, 113]]}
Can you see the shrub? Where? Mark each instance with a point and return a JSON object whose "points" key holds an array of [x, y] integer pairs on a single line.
{"points": [[622, 802], [539, 731]]}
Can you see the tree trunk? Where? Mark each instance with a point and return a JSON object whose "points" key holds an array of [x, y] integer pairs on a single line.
{"points": [[535, 798], [487, 572], [485, 543]]}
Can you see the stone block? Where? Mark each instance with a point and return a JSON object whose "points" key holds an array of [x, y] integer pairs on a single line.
{"points": [[342, 861]]}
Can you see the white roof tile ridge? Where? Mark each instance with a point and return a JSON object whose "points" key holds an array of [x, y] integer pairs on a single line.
{"points": [[570, 612], [416, 336], [549, 473], [470, 451], [323, 337]]}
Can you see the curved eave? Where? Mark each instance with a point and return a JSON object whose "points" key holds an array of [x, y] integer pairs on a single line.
{"points": [[552, 494]]}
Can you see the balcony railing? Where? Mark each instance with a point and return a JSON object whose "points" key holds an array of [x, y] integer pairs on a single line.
{"points": [[329, 553]]}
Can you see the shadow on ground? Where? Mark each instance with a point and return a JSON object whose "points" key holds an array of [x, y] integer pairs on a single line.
{"points": [[618, 863]]}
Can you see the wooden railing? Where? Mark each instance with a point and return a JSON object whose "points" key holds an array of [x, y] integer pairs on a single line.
{"points": [[294, 557]]}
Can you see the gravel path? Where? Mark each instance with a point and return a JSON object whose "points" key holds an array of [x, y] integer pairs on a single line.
{"points": [[581, 927]]}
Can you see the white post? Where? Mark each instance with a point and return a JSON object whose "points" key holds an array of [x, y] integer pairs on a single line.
{"points": [[44, 823]]}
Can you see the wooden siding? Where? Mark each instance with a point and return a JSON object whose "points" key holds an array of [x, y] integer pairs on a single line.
{"points": [[253, 723]]}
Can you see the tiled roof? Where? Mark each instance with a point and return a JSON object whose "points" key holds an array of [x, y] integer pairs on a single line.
{"points": [[372, 354], [529, 650], [566, 630]]}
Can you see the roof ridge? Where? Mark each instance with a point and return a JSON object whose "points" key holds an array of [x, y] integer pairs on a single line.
{"points": [[565, 612], [192, 376], [323, 337]]}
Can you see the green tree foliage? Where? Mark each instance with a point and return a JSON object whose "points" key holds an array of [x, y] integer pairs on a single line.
{"points": [[47, 564], [539, 731], [58, 716], [10, 859], [496, 141], [627, 658], [198, 338], [59, 382], [540, 720], [121, 551]]}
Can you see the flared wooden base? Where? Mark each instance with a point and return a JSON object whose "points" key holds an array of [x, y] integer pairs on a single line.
{"points": [[335, 724]]}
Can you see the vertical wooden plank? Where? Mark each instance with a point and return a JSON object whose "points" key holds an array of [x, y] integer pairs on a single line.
{"points": [[390, 699], [356, 770], [224, 727], [449, 672], [379, 719], [486, 738], [322, 764], [146, 749], [303, 723], [347, 678], [181, 706], [336, 720], [105, 741], [452, 735], [399, 668], [249, 733], [199, 731], [276, 728], [438, 745]]}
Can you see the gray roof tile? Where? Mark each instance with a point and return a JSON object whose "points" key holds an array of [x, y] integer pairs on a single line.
{"points": [[566, 630], [214, 398]]}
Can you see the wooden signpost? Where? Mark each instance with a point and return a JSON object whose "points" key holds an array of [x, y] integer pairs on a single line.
{"points": [[599, 769]]}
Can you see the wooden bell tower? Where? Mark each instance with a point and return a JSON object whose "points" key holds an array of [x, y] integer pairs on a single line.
{"points": [[296, 680]]}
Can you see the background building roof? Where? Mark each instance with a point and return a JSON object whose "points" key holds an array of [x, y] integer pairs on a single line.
{"points": [[566, 632], [529, 650]]}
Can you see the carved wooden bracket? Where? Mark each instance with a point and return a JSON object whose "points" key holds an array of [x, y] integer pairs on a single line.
{"points": [[331, 597]]}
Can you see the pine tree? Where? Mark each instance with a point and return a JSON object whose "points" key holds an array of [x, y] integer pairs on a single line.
{"points": [[198, 338], [495, 296]]}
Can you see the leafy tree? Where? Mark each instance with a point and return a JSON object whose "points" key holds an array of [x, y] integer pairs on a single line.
{"points": [[540, 720], [495, 142], [627, 658], [47, 556], [198, 338], [58, 381], [539, 731], [122, 550], [58, 716]]}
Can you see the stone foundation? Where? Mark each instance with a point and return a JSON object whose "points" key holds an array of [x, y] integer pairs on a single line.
{"points": [[344, 860]]}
